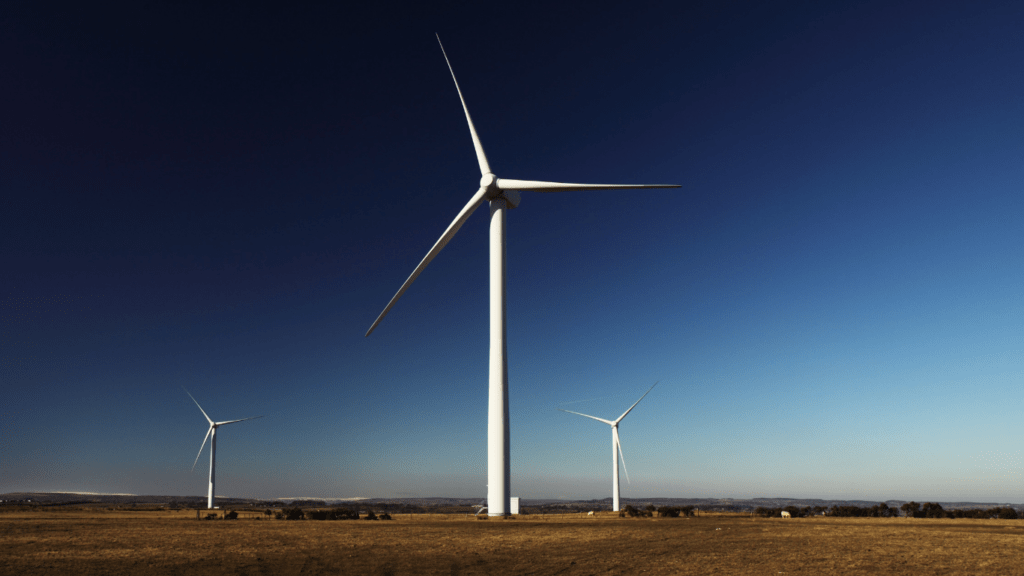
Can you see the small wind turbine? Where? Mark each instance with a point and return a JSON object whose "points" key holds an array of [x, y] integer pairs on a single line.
{"points": [[616, 447], [211, 433], [502, 194]]}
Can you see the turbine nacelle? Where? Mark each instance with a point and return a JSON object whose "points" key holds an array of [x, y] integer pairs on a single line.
{"points": [[511, 198], [491, 185]]}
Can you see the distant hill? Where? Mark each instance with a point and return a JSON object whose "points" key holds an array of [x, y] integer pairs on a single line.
{"points": [[538, 505]]}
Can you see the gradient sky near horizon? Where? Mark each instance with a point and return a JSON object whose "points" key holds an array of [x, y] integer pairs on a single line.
{"points": [[225, 198]]}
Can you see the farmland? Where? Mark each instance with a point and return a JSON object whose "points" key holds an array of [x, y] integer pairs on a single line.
{"points": [[168, 542]]}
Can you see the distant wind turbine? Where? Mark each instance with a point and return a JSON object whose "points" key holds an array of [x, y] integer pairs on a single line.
{"points": [[502, 194], [211, 433], [616, 447]]}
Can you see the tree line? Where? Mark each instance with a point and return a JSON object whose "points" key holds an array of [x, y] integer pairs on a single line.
{"points": [[663, 512], [883, 510], [297, 513]]}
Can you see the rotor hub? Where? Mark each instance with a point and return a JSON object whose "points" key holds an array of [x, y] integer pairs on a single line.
{"points": [[489, 181]]}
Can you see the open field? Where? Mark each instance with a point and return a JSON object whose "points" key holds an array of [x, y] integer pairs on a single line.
{"points": [[123, 542]]}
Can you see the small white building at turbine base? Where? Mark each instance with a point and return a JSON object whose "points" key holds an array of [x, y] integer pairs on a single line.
{"points": [[513, 505]]}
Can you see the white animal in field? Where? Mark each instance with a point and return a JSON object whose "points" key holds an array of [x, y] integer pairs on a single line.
{"points": [[591, 513], [786, 514]]}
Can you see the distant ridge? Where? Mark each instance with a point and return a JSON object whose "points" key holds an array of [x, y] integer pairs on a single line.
{"points": [[736, 504]]}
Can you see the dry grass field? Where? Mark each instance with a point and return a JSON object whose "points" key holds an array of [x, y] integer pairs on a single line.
{"points": [[116, 542]]}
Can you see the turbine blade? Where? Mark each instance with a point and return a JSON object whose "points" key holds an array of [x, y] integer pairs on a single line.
{"points": [[464, 214], [621, 455], [589, 416], [637, 402], [240, 420], [208, 430], [485, 168], [200, 407], [539, 186]]}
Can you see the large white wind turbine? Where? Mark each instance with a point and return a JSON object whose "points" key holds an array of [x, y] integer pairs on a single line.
{"points": [[501, 194], [211, 433], [616, 447]]}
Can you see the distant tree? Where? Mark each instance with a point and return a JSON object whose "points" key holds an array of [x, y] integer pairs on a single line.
{"points": [[294, 513], [768, 512], [385, 516], [793, 511], [668, 512], [1007, 513], [232, 515], [881, 510], [931, 510], [268, 512], [370, 516], [628, 510], [910, 509]]}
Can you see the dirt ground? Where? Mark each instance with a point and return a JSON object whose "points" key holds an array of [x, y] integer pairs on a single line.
{"points": [[117, 542]]}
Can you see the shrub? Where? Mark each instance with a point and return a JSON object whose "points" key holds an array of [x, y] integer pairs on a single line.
{"points": [[345, 514], [292, 513], [668, 512], [628, 510], [232, 515], [794, 512], [385, 516], [370, 516]]}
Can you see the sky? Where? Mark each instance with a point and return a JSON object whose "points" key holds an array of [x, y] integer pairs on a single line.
{"points": [[223, 199]]}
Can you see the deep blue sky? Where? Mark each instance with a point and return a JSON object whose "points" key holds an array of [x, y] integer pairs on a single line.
{"points": [[225, 198]]}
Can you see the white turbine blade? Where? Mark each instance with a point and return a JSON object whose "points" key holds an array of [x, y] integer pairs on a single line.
{"points": [[485, 168], [200, 407], [241, 420], [464, 214], [621, 456], [637, 402], [589, 416], [205, 438], [539, 186]]}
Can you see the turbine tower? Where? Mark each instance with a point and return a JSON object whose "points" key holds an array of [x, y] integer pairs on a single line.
{"points": [[211, 433], [616, 447], [501, 194]]}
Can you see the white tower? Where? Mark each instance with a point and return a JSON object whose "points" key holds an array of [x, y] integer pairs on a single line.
{"points": [[502, 195]]}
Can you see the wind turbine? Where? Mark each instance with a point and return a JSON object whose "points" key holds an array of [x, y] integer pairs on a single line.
{"points": [[501, 194], [211, 433], [616, 447]]}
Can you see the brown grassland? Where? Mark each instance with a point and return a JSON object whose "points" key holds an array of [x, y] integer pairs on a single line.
{"points": [[123, 542]]}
